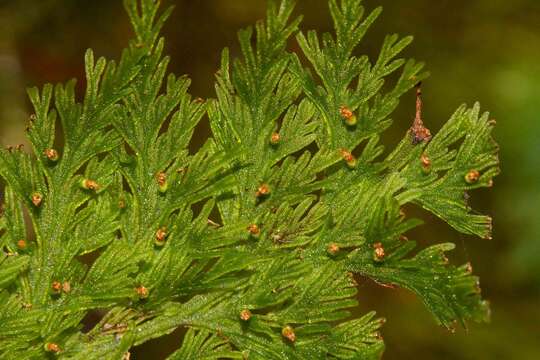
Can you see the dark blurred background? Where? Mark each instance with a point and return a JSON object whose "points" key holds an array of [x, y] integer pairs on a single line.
{"points": [[482, 50]]}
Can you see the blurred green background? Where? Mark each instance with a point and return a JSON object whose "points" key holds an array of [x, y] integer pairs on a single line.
{"points": [[482, 50]]}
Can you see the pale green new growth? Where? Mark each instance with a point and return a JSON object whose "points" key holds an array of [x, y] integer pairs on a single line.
{"points": [[252, 242]]}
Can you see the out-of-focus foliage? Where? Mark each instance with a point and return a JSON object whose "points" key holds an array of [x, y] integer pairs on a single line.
{"points": [[481, 49]]}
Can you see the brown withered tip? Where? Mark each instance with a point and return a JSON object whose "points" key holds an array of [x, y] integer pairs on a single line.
{"points": [[420, 134], [199, 100], [418, 131], [288, 333], [245, 315], [52, 347], [126, 356], [263, 190]]}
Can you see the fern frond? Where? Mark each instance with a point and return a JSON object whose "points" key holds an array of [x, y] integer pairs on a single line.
{"points": [[251, 242]]}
